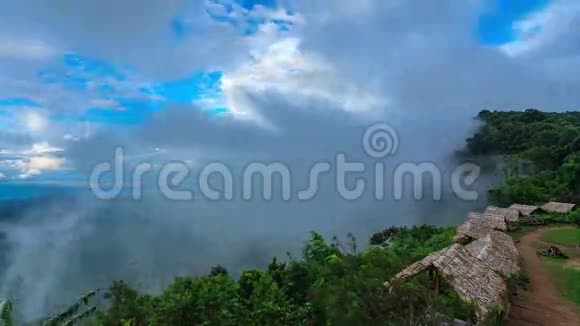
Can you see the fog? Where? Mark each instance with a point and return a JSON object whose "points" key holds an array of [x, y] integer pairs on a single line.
{"points": [[66, 245]]}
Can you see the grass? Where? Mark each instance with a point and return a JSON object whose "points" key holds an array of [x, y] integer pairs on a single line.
{"points": [[565, 279], [563, 237], [521, 231]]}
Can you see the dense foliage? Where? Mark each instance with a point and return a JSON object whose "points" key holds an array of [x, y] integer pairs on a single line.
{"points": [[542, 152], [330, 284]]}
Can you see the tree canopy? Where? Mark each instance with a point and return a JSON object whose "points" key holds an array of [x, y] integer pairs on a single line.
{"points": [[331, 283], [542, 152]]}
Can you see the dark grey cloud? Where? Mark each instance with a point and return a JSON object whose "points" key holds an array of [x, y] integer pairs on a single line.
{"points": [[136, 33], [426, 57]]}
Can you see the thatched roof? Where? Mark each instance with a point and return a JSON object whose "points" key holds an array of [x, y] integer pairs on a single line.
{"points": [[510, 215], [496, 222], [496, 250], [471, 278], [558, 208], [472, 229], [527, 210]]}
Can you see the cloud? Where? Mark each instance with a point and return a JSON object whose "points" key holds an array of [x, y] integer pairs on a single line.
{"points": [[249, 17], [8, 138], [107, 80], [282, 68], [29, 174], [392, 58], [550, 31], [33, 149], [35, 121], [34, 163], [18, 49], [84, 88], [45, 163], [34, 160], [42, 148], [69, 137], [426, 58], [3, 176], [135, 32]]}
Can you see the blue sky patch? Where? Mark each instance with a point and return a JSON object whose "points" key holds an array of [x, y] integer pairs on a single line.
{"points": [[77, 71], [180, 27], [94, 67], [186, 91], [247, 22], [127, 116], [199, 87], [18, 102], [128, 98], [250, 4], [496, 26]]}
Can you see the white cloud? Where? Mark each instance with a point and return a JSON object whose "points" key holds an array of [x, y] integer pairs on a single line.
{"points": [[36, 162], [69, 137], [544, 28], [3, 176], [33, 161], [282, 67], [278, 65], [29, 174], [31, 50], [34, 121], [42, 148], [37, 149], [45, 163], [13, 164]]}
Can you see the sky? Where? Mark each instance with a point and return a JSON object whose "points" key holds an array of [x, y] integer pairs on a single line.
{"points": [[241, 81], [71, 72]]}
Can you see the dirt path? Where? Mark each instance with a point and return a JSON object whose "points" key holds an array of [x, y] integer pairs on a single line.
{"points": [[543, 305]]}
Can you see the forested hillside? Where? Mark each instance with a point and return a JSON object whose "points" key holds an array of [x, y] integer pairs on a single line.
{"points": [[332, 283], [542, 154]]}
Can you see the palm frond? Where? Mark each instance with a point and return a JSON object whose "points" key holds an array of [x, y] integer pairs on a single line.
{"points": [[71, 315], [5, 313]]}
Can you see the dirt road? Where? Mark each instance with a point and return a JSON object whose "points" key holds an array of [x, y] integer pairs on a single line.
{"points": [[543, 305]]}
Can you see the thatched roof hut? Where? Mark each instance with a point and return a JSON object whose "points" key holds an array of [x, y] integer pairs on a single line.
{"points": [[527, 210], [496, 222], [558, 208], [496, 250], [510, 215], [472, 228], [472, 279]]}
